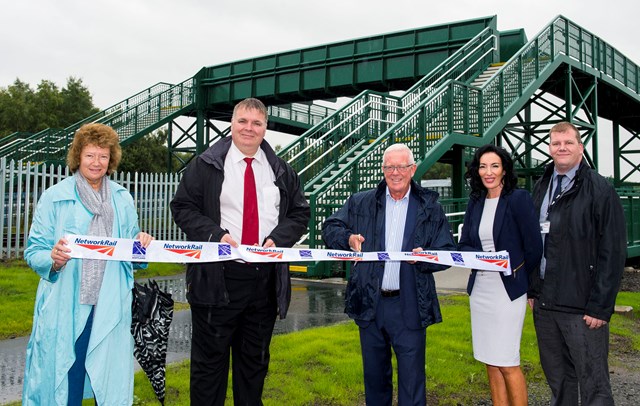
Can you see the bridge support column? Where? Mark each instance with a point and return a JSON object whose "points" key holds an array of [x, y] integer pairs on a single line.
{"points": [[527, 135]]}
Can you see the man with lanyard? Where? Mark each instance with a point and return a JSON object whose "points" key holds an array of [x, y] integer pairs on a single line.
{"points": [[573, 295]]}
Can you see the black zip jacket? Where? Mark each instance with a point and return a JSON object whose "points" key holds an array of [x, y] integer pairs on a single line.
{"points": [[196, 210], [585, 248]]}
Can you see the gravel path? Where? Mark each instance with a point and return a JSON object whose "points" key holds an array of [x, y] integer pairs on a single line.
{"points": [[624, 362]]}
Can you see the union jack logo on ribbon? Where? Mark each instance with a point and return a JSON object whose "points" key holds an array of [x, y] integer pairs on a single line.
{"points": [[383, 256], [305, 254], [457, 258], [224, 250], [138, 251]]}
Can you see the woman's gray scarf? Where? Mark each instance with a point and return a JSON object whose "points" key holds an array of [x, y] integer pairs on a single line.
{"points": [[99, 204]]}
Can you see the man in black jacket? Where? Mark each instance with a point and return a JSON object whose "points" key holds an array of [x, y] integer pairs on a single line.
{"points": [[573, 295], [392, 302], [238, 191]]}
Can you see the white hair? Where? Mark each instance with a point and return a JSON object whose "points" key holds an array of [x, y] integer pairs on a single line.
{"points": [[399, 147]]}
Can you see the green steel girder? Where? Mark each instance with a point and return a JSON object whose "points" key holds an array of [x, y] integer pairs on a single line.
{"points": [[559, 62], [524, 138], [386, 62], [625, 152]]}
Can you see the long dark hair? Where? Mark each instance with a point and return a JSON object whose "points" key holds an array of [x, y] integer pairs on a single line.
{"points": [[509, 180]]}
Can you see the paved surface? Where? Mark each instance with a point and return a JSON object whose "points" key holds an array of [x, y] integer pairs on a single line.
{"points": [[313, 303]]}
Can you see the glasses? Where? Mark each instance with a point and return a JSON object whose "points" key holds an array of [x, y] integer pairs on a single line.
{"points": [[400, 169]]}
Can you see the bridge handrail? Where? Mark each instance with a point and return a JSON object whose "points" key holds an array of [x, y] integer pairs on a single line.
{"points": [[535, 56], [416, 91], [49, 144], [464, 59], [302, 113], [440, 73], [10, 138], [109, 110]]}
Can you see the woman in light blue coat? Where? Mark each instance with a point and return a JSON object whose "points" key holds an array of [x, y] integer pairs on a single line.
{"points": [[81, 344]]}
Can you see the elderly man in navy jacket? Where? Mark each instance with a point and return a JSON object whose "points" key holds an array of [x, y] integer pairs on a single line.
{"points": [[392, 302]]}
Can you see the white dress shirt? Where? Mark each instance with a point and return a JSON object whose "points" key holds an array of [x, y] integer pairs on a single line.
{"points": [[231, 197], [395, 220]]}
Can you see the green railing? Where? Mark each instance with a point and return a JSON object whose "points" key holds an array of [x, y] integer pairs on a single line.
{"points": [[631, 204], [457, 113], [343, 135], [310, 114], [129, 118], [11, 138]]}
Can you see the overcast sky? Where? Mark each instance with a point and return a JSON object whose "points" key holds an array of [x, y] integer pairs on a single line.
{"points": [[121, 47]]}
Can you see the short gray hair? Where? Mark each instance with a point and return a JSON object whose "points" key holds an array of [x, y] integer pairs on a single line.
{"points": [[399, 147]]}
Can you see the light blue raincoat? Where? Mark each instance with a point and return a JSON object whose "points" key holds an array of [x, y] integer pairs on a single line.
{"points": [[58, 316]]}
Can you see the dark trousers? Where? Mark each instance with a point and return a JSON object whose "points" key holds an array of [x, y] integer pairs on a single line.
{"points": [[242, 329], [376, 339], [78, 371], [574, 358]]}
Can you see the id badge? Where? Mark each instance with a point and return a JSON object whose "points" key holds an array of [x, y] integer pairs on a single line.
{"points": [[545, 226]]}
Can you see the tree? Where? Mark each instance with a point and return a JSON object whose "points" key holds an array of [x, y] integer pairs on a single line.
{"points": [[46, 106], [77, 102], [147, 154], [25, 110], [16, 108], [438, 171]]}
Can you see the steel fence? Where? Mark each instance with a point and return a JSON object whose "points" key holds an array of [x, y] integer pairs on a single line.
{"points": [[22, 184]]}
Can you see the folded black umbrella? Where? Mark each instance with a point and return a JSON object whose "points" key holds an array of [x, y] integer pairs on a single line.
{"points": [[151, 315]]}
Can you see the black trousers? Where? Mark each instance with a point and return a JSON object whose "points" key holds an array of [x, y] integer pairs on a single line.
{"points": [[241, 330], [574, 358]]}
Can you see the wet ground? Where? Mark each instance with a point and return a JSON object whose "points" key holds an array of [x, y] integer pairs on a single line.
{"points": [[312, 304]]}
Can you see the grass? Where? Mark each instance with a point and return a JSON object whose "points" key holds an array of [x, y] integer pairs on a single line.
{"points": [[18, 284], [323, 366]]}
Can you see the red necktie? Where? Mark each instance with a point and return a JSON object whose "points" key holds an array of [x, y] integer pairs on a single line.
{"points": [[250, 221]]}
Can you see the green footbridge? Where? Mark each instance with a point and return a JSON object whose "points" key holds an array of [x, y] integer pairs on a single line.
{"points": [[443, 90]]}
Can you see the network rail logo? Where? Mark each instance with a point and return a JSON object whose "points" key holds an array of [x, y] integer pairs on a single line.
{"points": [[433, 256], [269, 253], [499, 260], [346, 256], [105, 247], [188, 250]]}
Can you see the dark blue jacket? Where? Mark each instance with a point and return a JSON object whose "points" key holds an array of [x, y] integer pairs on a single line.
{"points": [[426, 227], [516, 229]]}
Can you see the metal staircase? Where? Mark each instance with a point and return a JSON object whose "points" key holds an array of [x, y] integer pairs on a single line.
{"points": [[318, 153], [131, 118], [323, 153], [454, 113], [487, 74]]}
